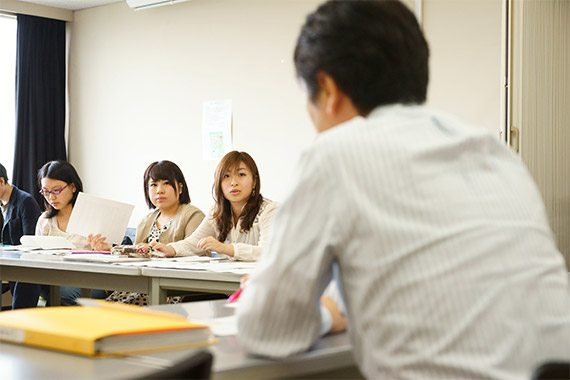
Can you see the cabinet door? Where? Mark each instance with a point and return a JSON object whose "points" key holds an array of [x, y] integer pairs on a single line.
{"points": [[540, 118]]}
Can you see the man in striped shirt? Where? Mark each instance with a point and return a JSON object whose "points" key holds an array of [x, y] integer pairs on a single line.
{"points": [[446, 261]]}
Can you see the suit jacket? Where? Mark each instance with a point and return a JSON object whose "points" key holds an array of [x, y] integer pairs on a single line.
{"points": [[22, 212]]}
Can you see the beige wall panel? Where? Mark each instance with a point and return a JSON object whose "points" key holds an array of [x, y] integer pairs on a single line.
{"points": [[465, 66], [541, 104]]}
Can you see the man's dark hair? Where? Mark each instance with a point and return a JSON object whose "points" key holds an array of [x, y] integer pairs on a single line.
{"points": [[374, 50], [3, 173]]}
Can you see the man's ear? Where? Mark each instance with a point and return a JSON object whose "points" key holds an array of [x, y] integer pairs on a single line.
{"points": [[332, 95], [2, 181]]}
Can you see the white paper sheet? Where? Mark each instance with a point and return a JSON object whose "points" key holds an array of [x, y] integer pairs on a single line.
{"points": [[18, 248], [216, 129], [218, 266], [100, 258], [94, 215], [36, 255], [50, 252], [45, 242], [196, 259], [222, 326]]}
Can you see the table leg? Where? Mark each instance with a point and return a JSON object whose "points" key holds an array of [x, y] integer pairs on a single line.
{"points": [[157, 295], [54, 296], [1, 294]]}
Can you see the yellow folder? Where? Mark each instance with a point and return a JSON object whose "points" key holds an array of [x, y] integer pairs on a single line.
{"points": [[112, 329]]}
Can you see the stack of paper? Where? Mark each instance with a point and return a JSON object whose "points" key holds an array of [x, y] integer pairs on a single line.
{"points": [[199, 264], [32, 242], [102, 258]]}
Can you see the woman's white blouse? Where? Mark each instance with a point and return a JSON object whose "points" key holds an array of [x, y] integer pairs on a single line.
{"points": [[48, 227], [248, 245]]}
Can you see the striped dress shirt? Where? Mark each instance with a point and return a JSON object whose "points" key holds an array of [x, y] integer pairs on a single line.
{"points": [[447, 263]]}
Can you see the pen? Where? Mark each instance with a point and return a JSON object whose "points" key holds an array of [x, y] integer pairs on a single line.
{"points": [[90, 253], [235, 296]]}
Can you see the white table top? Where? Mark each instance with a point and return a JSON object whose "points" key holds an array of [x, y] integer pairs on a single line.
{"points": [[157, 282], [50, 263], [185, 273], [230, 360]]}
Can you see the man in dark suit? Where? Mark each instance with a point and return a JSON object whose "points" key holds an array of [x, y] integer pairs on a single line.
{"points": [[20, 213]]}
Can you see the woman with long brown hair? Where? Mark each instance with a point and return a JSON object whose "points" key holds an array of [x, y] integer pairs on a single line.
{"points": [[239, 222]]}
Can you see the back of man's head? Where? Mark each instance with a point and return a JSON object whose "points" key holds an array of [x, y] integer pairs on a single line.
{"points": [[374, 50], [3, 173]]}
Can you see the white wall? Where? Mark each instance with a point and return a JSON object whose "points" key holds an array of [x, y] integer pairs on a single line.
{"points": [[465, 59], [138, 80]]}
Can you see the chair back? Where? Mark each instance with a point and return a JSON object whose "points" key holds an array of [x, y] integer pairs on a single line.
{"points": [[197, 366], [552, 371], [129, 238]]}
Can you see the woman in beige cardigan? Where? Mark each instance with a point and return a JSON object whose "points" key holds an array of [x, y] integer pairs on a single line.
{"points": [[172, 219], [239, 223]]}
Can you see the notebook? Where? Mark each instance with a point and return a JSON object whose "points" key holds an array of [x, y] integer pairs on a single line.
{"points": [[103, 329], [45, 242]]}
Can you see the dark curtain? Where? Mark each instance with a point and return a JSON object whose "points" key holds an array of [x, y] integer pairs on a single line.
{"points": [[40, 98]]}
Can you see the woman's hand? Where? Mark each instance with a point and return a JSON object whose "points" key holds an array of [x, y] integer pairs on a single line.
{"points": [[212, 244], [98, 243], [338, 320], [166, 249]]}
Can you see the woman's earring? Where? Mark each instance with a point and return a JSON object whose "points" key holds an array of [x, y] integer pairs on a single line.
{"points": [[253, 192]]}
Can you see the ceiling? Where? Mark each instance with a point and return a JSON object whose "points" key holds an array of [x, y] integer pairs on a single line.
{"points": [[73, 5]]}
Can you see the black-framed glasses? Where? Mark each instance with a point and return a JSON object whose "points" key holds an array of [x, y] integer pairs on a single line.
{"points": [[47, 193]]}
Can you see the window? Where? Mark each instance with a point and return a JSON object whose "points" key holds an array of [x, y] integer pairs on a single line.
{"points": [[8, 28]]}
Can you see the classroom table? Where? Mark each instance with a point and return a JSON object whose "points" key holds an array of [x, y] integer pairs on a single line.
{"points": [[330, 358], [165, 280], [157, 283]]}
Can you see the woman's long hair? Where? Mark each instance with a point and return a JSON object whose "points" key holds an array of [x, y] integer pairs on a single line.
{"points": [[61, 171], [223, 211]]}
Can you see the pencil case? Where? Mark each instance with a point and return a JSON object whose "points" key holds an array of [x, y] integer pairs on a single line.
{"points": [[140, 250]]}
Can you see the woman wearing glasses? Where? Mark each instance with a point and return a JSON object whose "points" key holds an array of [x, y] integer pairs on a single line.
{"points": [[60, 185]]}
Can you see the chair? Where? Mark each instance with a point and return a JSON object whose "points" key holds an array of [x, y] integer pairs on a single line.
{"points": [[5, 287], [129, 238], [197, 366], [552, 371]]}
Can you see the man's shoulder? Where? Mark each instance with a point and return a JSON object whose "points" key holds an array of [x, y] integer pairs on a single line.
{"points": [[337, 141], [25, 200], [21, 194], [397, 126]]}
